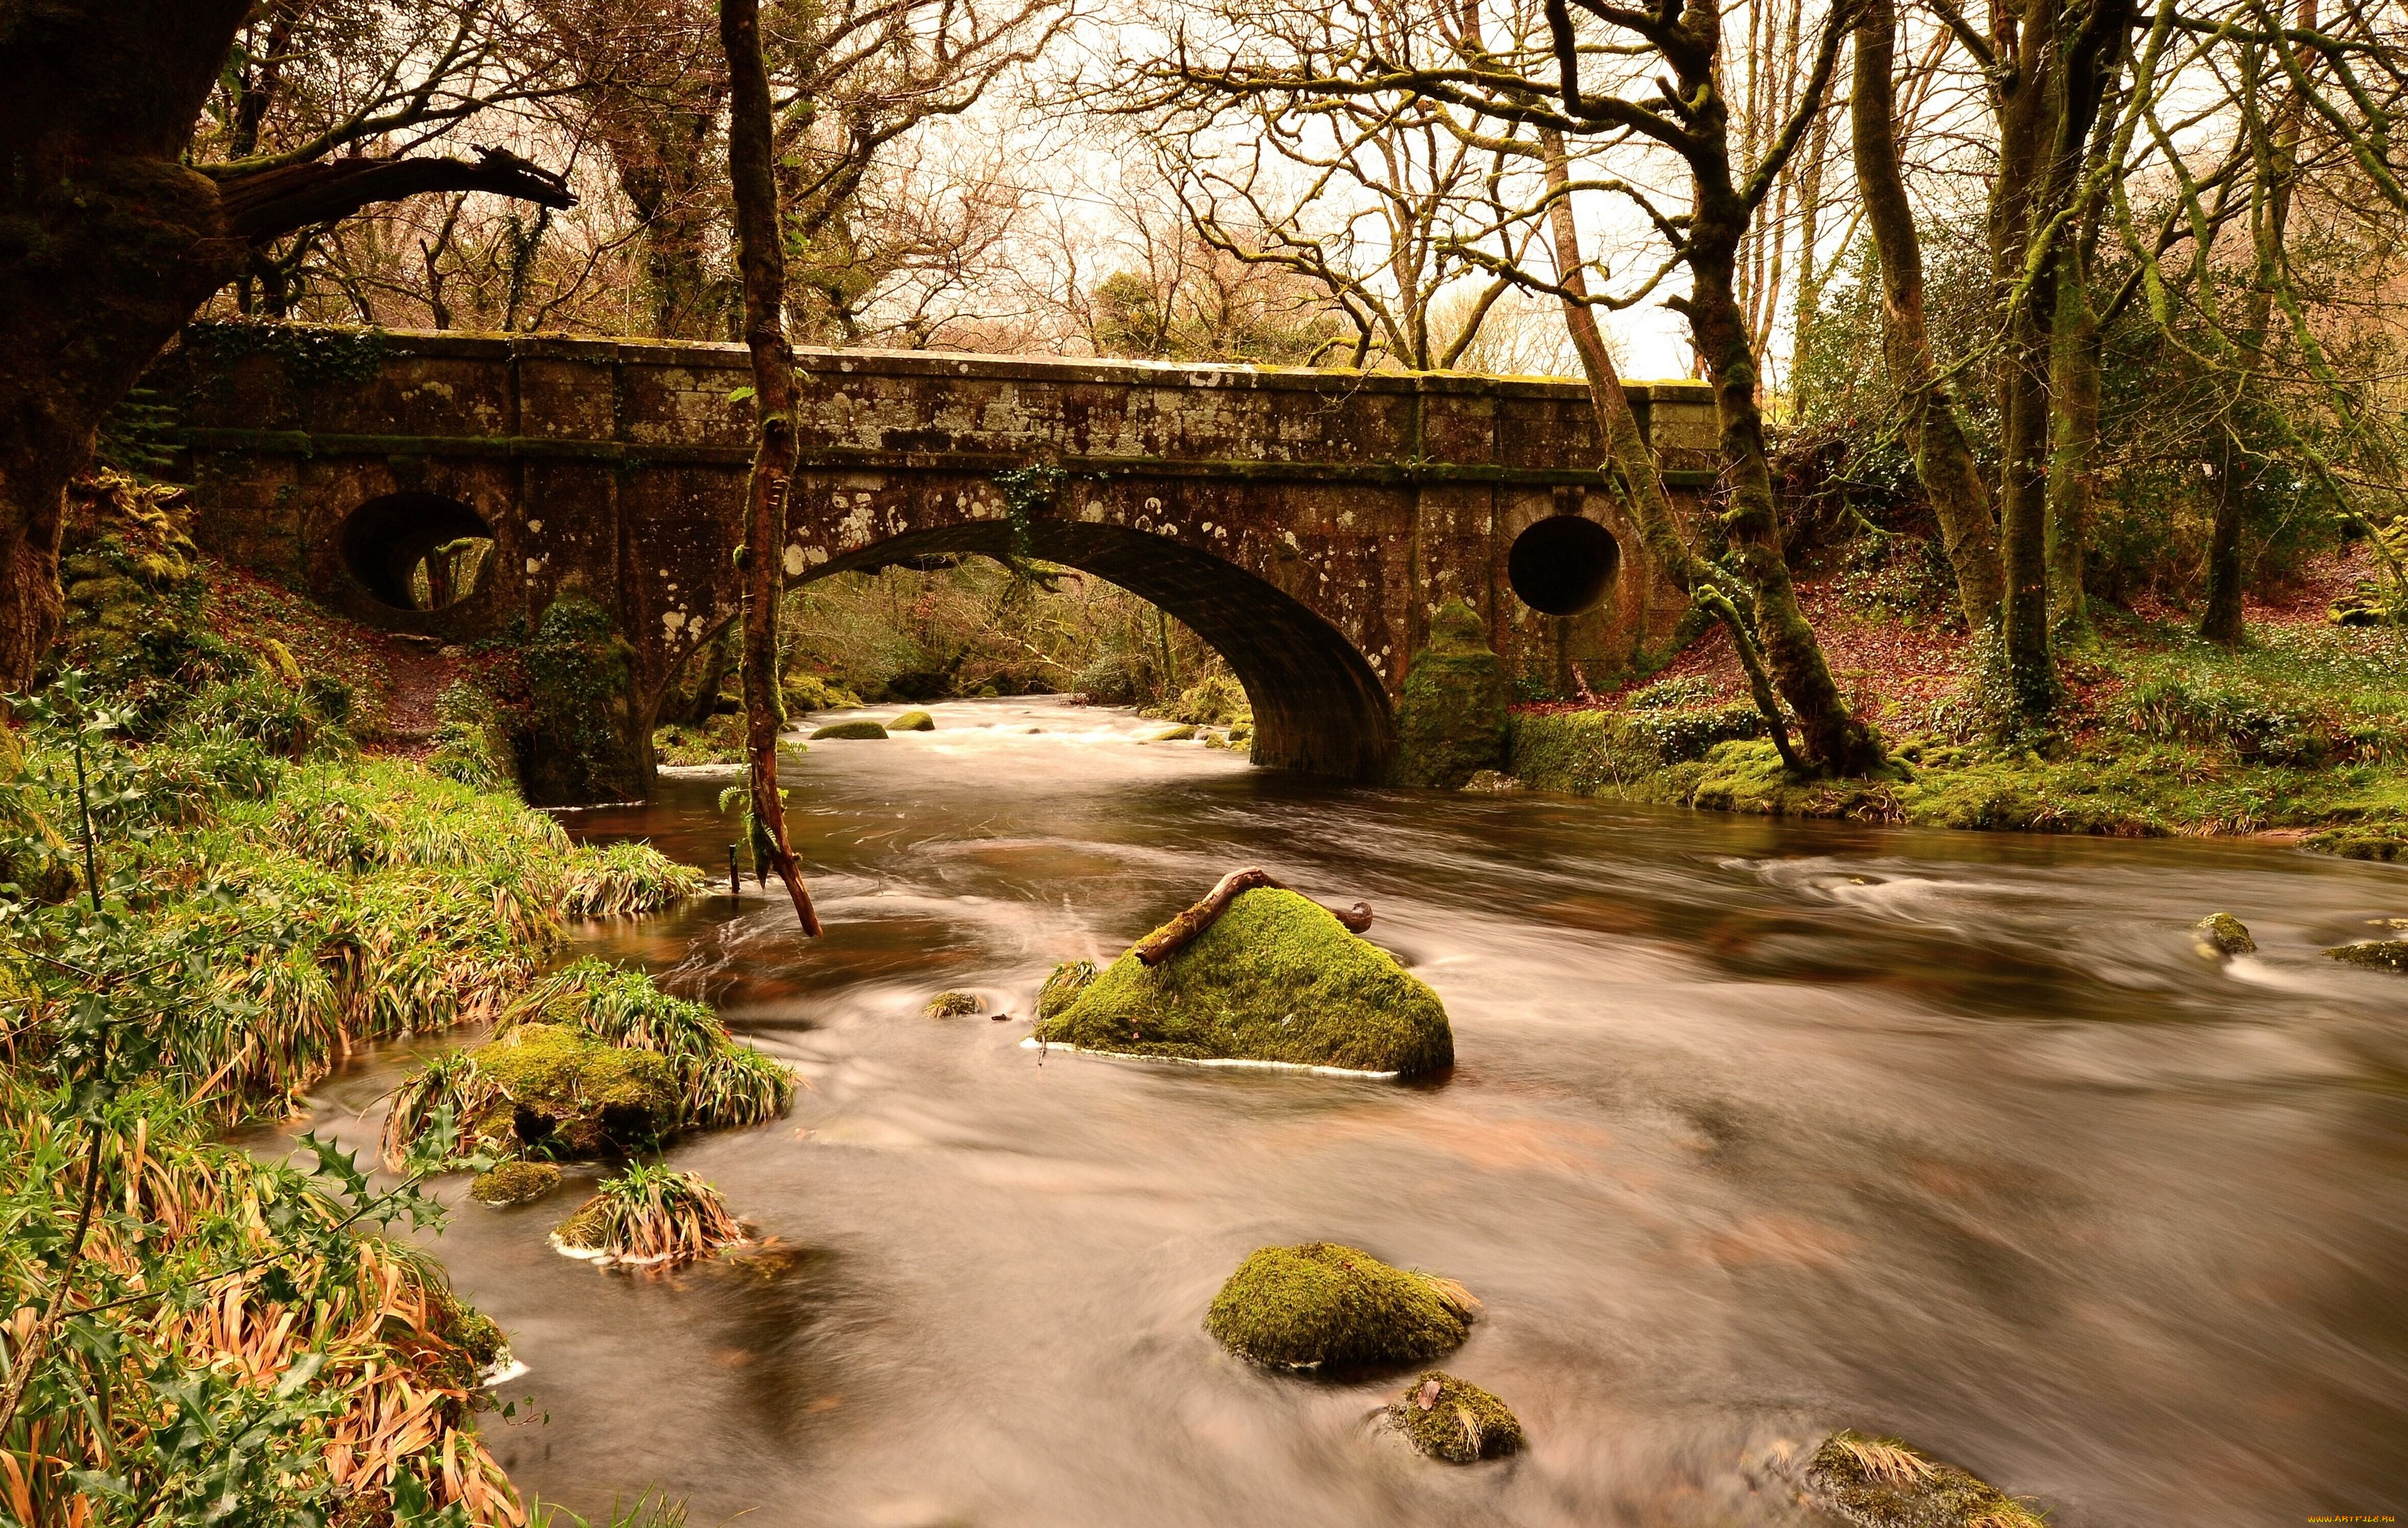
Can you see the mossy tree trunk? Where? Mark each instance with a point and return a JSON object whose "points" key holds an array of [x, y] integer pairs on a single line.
{"points": [[761, 260], [1944, 456], [2073, 385], [110, 241]]}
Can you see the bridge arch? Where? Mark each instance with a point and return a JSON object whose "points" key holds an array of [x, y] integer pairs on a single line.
{"points": [[1318, 705], [401, 548]]}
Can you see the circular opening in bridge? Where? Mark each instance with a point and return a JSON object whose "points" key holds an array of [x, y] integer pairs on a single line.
{"points": [[416, 551], [1563, 565]]}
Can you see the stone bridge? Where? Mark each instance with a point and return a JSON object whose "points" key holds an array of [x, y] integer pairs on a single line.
{"points": [[1304, 523]]}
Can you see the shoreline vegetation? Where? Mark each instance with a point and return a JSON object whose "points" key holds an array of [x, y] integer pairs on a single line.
{"points": [[213, 898]]}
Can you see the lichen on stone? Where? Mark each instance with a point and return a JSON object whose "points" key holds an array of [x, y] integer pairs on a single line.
{"points": [[1277, 979], [514, 1183], [1455, 1420], [2220, 934], [2378, 954], [850, 732], [912, 721], [1880, 1482], [954, 1005]]}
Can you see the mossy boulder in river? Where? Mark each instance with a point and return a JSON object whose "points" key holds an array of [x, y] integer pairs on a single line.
{"points": [[1450, 717], [2379, 954], [2221, 936], [563, 1095], [850, 732], [1276, 977], [1062, 984], [1877, 1482], [954, 1005], [1322, 1305], [514, 1183], [1455, 1420], [912, 721]]}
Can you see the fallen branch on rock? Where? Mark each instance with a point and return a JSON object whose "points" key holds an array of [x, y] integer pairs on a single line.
{"points": [[1189, 926]]}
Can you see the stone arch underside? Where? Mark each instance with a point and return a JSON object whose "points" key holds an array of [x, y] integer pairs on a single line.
{"points": [[1318, 707], [384, 539]]}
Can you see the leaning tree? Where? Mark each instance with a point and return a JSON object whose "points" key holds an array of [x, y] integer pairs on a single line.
{"points": [[111, 237]]}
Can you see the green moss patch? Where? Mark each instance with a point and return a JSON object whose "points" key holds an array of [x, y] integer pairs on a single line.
{"points": [[850, 732], [1174, 735], [1877, 1482], [1455, 1420], [1063, 983], [955, 1005], [1324, 1305], [1450, 717], [2220, 934], [1276, 978], [565, 1095], [2376, 954], [514, 1183], [912, 721]]}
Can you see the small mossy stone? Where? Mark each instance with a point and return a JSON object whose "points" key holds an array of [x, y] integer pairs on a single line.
{"points": [[955, 1005], [1488, 783], [1876, 1482], [1455, 1421], [2221, 934], [588, 1228], [850, 732], [1063, 983], [1324, 1305], [514, 1183], [1276, 977], [2379, 954], [572, 1097], [1174, 735], [912, 721]]}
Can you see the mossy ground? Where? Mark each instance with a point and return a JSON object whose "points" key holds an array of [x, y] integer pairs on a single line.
{"points": [[1324, 1305], [2307, 728], [1276, 977], [1882, 1483], [1455, 1420]]}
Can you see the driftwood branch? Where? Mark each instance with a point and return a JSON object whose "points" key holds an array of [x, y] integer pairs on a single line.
{"points": [[1188, 927]]}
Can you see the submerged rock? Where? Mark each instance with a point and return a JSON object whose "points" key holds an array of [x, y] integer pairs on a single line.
{"points": [[1877, 1482], [912, 721], [2221, 936], [954, 1005], [1451, 716], [1455, 1420], [1490, 782], [1276, 977], [845, 732], [2382, 954], [514, 1183], [565, 1094], [1324, 1304]]}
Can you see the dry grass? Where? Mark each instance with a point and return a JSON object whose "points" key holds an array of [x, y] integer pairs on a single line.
{"points": [[652, 1214]]}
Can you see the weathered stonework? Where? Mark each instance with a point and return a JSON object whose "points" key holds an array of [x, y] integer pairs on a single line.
{"points": [[1306, 524]]}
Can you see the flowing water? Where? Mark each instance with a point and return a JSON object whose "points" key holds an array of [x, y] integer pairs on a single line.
{"points": [[1756, 1129]]}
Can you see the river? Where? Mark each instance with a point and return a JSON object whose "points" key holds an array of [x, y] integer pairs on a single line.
{"points": [[1756, 1128]]}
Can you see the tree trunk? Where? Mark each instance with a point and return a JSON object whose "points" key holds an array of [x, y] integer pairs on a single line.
{"points": [[1943, 457], [2073, 444], [760, 258]]}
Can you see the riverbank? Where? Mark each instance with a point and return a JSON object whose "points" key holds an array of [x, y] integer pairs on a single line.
{"points": [[2302, 733]]}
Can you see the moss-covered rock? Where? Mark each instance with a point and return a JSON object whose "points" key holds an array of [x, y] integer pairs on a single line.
{"points": [[850, 732], [1488, 783], [1063, 983], [2220, 935], [514, 1183], [955, 1005], [1275, 979], [912, 721], [1877, 1482], [566, 1095], [1455, 1421], [1324, 1305], [1174, 735], [1450, 717], [583, 743], [2379, 954]]}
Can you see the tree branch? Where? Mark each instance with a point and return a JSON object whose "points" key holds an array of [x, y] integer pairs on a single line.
{"points": [[269, 204]]}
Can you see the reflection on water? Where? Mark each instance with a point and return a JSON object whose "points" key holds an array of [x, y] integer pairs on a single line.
{"points": [[1758, 1128]]}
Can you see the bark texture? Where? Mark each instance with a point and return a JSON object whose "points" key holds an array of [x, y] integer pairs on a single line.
{"points": [[761, 261], [1944, 456]]}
